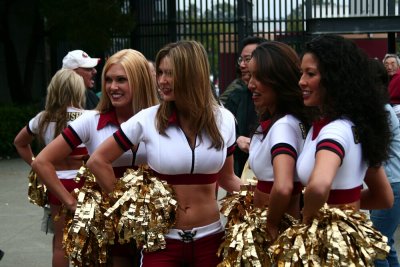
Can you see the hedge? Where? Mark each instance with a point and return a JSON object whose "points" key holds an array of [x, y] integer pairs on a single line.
{"points": [[12, 119]]}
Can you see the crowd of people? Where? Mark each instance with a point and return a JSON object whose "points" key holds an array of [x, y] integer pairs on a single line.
{"points": [[303, 123]]}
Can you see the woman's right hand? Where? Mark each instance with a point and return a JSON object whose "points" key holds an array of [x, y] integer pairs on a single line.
{"points": [[243, 143], [71, 204]]}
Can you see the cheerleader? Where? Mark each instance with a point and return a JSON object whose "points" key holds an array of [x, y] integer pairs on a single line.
{"points": [[64, 104], [275, 146], [189, 140], [127, 87]]}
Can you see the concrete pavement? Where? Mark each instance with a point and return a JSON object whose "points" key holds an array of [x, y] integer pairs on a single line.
{"points": [[21, 239], [24, 244]]}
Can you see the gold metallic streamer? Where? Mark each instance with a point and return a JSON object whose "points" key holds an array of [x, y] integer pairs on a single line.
{"points": [[146, 209], [336, 237], [88, 233], [246, 240], [37, 191]]}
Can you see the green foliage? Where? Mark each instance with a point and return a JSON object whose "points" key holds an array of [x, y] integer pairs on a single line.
{"points": [[90, 23], [12, 119]]}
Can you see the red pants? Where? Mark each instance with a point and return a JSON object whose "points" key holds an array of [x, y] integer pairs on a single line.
{"points": [[199, 253], [69, 184]]}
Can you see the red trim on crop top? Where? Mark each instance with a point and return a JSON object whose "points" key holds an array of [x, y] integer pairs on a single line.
{"points": [[79, 151], [344, 196], [333, 146], [266, 187], [283, 148], [110, 117], [188, 179]]}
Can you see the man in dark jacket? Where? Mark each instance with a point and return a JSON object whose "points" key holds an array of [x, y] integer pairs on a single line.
{"points": [[239, 102]]}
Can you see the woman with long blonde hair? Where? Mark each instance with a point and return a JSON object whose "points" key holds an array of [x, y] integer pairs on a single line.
{"points": [[127, 87], [64, 103]]}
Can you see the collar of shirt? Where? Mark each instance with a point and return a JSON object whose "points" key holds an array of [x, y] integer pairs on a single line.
{"points": [[173, 118], [109, 117], [318, 125], [265, 125]]}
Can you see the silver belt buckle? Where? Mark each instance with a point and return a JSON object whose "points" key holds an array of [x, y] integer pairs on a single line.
{"points": [[187, 236]]}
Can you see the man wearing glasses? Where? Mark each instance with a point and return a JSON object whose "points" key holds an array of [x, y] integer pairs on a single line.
{"points": [[84, 65], [238, 99]]}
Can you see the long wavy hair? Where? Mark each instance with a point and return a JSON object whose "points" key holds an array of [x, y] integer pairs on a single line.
{"points": [[191, 85], [140, 80], [348, 91], [278, 67], [66, 89]]}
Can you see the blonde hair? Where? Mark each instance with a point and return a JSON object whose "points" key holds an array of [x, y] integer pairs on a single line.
{"points": [[66, 89], [192, 89], [139, 77]]}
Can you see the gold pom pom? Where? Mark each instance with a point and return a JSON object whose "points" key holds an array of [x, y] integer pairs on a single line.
{"points": [[37, 191], [246, 240], [146, 209], [336, 237], [88, 232]]}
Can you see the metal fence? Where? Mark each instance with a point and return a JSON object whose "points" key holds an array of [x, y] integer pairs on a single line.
{"points": [[220, 24]]}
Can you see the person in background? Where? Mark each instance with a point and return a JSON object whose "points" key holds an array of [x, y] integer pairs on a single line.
{"points": [[84, 65], [239, 102], [189, 141], [387, 220], [274, 147], [391, 63], [347, 143], [127, 87], [64, 102]]}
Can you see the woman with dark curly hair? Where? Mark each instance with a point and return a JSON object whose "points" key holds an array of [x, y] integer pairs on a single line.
{"points": [[349, 140], [274, 147]]}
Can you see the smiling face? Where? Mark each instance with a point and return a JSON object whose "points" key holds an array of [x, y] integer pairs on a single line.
{"points": [[310, 81], [264, 97], [117, 87], [165, 79]]}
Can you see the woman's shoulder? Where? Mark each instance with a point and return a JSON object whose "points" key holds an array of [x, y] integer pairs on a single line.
{"points": [[289, 119], [148, 112], [341, 128], [342, 123], [225, 113]]}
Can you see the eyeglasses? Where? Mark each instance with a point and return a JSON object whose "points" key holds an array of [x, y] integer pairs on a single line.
{"points": [[245, 59]]}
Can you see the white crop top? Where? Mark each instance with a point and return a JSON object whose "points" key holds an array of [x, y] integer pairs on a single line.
{"points": [[92, 128], [286, 136], [171, 154], [340, 137], [72, 114]]}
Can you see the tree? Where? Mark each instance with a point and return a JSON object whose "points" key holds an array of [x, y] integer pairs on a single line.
{"points": [[20, 84], [89, 24]]}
